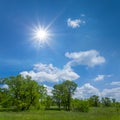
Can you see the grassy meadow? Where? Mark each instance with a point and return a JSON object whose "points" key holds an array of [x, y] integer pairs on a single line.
{"points": [[93, 114]]}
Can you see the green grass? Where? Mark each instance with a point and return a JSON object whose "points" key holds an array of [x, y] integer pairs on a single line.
{"points": [[93, 114]]}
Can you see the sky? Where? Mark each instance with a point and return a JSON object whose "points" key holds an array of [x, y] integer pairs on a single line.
{"points": [[81, 43]]}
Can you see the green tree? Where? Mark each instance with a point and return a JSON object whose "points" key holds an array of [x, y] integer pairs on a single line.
{"points": [[48, 102], [80, 105], [5, 98], [106, 102], [117, 106], [62, 93], [58, 94], [69, 89], [94, 101], [24, 92]]}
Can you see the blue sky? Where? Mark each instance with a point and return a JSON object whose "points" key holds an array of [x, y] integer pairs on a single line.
{"points": [[83, 45]]}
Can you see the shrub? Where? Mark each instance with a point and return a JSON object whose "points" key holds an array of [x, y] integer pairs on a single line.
{"points": [[80, 105], [117, 105]]}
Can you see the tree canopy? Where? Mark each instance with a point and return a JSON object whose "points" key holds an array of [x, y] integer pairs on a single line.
{"points": [[23, 92], [62, 93]]}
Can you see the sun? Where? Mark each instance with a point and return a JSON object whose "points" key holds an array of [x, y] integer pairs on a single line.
{"points": [[40, 35]]}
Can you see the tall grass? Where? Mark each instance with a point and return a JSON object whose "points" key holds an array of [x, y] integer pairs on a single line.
{"points": [[94, 114]]}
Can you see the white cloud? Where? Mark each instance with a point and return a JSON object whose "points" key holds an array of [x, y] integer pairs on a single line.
{"points": [[115, 83], [86, 91], [90, 58], [47, 72], [43, 72], [112, 93], [74, 23], [101, 77]]}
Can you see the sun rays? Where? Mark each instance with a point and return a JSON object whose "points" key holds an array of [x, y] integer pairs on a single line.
{"points": [[40, 35]]}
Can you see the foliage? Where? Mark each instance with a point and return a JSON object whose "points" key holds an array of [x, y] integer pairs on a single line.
{"points": [[106, 102], [117, 105], [5, 98], [23, 92], [62, 93], [94, 101], [80, 105], [69, 89], [58, 94], [48, 102]]}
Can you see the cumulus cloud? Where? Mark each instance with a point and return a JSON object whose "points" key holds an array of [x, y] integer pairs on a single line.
{"points": [[74, 23], [112, 93], [115, 83], [90, 58], [101, 77], [47, 72], [86, 91]]}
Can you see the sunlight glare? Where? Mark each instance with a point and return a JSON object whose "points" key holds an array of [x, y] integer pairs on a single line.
{"points": [[40, 35]]}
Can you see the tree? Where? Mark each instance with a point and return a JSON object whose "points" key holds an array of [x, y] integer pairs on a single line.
{"points": [[5, 97], [106, 102], [48, 102], [80, 105], [69, 89], [24, 92], [58, 94], [94, 101], [62, 93]]}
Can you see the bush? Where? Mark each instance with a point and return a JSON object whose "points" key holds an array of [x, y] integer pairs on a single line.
{"points": [[117, 105], [80, 105]]}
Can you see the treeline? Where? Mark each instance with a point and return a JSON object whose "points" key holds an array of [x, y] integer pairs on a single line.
{"points": [[25, 93]]}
